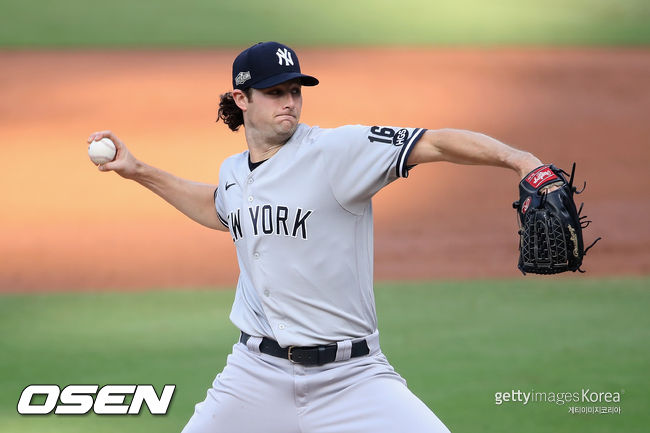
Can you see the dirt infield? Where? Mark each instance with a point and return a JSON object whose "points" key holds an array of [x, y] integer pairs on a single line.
{"points": [[65, 226]]}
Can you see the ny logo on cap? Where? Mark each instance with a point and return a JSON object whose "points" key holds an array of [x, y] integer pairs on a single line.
{"points": [[284, 54]]}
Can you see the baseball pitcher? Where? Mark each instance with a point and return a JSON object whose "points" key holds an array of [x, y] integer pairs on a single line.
{"points": [[297, 205]]}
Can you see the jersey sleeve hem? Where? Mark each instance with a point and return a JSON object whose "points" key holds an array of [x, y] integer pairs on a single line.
{"points": [[402, 169], [223, 221]]}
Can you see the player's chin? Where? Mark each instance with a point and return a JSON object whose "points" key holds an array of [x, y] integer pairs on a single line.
{"points": [[287, 125]]}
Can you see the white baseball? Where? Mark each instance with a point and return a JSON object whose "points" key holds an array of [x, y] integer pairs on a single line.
{"points": [[102, 151]]}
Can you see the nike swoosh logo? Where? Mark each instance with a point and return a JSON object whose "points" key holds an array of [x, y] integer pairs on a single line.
{"points": [[228, 185]]}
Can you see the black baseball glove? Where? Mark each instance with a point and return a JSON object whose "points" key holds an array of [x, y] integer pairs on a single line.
{"points": [[550, 227]]}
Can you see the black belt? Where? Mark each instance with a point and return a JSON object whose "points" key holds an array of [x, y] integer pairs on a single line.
{"points": [[314, 355]]}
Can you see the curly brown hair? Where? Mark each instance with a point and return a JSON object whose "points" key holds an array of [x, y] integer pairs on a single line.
{"points": [[229, 112]]}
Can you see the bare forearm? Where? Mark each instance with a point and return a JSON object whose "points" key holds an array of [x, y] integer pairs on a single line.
{"points": [[194, 199], [467, 147]]}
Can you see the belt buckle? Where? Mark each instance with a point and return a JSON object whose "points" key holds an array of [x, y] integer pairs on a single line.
{"points": [[289, 354]]}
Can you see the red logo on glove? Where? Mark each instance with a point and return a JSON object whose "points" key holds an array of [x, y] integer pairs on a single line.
{"points": [[541, 176], [524, 207]]}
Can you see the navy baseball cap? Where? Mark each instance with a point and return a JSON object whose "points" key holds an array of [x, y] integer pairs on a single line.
{"points": [[267, 64]]}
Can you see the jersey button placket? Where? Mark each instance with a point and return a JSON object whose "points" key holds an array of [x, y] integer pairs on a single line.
{"points": [[248, 190]]}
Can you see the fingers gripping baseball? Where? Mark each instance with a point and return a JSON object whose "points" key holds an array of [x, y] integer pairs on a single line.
{"points": [[124, 163]]}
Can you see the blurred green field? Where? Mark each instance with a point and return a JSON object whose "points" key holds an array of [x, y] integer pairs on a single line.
{"points": [[165, 23], [457, 344]]}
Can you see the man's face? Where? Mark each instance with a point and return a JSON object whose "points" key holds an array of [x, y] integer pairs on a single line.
{"points": [[275, 111]]}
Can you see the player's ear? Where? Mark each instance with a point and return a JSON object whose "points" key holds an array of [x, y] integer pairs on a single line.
{"points": [[240, 98]]}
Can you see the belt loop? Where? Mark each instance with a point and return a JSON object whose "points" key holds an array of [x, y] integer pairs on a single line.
{"points": [[253, 344], [343, 350], [373, 342]]}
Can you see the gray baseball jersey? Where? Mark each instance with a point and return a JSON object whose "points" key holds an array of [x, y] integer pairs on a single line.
{"points": [[302, 226]]}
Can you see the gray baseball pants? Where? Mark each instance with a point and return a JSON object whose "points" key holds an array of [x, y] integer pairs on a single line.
{"points": [[257, 392]]}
